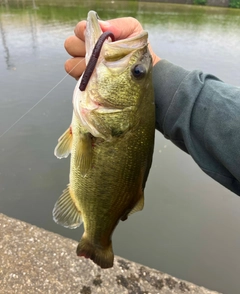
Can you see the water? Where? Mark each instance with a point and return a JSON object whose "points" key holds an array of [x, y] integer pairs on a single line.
{"points": [[190, 226]]}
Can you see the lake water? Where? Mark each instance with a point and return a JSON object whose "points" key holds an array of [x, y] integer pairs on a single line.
{"points": [[190, 226]]}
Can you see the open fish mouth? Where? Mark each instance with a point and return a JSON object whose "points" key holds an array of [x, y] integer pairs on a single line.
{"points": [[93, 59], [93, 32], [95, 38]]}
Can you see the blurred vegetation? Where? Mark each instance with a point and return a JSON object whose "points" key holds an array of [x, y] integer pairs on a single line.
{"points": [[234, 3], [72, 11], [199, 2]]}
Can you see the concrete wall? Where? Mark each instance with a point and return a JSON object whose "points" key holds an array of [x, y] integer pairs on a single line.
{"points": [[37, 261]]}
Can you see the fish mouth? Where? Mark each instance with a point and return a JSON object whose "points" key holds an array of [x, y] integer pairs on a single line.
{"points": [[93, 32], [95, 39]]}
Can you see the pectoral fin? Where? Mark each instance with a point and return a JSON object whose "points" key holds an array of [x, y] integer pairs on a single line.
{"points": [[65, 211], [64, 145], [84, 153]]}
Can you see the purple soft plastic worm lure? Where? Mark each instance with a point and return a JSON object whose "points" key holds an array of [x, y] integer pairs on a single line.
{"points": [[93, 59]]}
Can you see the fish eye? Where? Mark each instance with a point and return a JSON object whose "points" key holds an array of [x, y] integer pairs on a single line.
{"points": [[138, 71]]}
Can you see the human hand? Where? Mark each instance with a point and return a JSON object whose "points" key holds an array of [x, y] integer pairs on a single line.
{"points": [[122, 28]]}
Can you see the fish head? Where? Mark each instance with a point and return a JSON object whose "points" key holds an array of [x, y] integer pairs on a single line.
{"points": [[118, 83]]}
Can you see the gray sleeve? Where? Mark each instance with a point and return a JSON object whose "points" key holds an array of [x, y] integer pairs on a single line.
{"points": [[201, 115]]}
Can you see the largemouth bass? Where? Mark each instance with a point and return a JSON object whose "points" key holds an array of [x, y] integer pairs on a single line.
{"points": [[111, 141]]}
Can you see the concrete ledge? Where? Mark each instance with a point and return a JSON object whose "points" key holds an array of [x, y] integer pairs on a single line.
{"points": [[37, 261]]}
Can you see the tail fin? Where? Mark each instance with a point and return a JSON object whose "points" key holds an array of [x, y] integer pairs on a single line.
{"points": [[99, 255]]}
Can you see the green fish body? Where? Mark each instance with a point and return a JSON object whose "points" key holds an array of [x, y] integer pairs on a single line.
{"points": [[111, 141]]}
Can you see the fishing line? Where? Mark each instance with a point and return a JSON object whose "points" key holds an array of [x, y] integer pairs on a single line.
{"points": [[29, 110]]}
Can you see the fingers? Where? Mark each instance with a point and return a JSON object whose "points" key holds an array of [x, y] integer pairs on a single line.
{"points": [[80, 30], [75, 66], [75, 46], [122, 28]]}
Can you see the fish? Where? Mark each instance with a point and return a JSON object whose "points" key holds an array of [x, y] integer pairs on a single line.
{"points": [[110, 139]]}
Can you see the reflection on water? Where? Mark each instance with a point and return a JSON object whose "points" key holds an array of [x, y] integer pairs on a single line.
{"points": [[5, 46], [190, 225]]}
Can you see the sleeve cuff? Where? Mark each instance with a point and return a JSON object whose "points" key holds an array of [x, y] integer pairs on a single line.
{"points": [[166, 79]]}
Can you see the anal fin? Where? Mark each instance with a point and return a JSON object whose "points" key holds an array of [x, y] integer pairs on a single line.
{"points": [[65, 211], [139, 206], [64, 145]]}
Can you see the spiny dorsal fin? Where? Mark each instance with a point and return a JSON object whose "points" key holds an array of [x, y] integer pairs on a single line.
{"points": [[84, 153], [64, 145], [65, 212]]}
